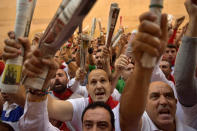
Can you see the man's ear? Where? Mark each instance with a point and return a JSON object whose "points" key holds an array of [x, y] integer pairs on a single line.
{"points": [[87, 86]]}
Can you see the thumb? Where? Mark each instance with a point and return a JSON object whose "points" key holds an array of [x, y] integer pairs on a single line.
{"points": [[25, 43]]}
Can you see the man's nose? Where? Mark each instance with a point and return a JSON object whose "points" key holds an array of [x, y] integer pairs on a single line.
{"points": [[94, 128], [163, 100], [99, 85]]}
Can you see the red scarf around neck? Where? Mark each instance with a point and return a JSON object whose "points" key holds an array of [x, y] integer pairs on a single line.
{"points": [[65, 95], [110, 102]]}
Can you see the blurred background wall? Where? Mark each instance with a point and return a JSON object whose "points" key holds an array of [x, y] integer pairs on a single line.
{"points": [[45, 9]]}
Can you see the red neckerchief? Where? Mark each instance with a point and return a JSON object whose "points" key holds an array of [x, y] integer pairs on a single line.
{"points": [[110, 102], [65, 95], [171, 78], [64, 127], [173, 62]]}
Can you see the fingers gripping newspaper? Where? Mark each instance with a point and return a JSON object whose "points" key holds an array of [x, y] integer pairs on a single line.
{"points": [[113, 16], [155, 7], [12, 73], [67, 18]]}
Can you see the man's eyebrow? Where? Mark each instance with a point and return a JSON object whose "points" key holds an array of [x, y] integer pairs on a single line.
{"points": [[169, 93], [102, 122], [87, 121], [154, 93]]}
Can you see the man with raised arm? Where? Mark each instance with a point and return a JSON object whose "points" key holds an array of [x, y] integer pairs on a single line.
{"points": [[185, 67], [158, 100]]}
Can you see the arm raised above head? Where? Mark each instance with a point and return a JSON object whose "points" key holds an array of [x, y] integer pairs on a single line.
{"points": [[151, 39], [185, 65]]}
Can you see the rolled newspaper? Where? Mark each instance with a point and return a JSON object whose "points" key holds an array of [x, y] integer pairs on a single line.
{"points": [[83, 50], [12, 73], [93, 28], [67, 18], [100, 27], [116, 37], [155, 7], [128, 52], [113, 16]]}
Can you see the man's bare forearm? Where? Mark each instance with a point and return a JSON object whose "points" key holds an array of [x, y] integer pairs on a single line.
{"points": [[134, 95]]}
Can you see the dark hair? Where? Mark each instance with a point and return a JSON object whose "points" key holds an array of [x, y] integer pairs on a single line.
{"points": [[94, 105], [171, 46]]}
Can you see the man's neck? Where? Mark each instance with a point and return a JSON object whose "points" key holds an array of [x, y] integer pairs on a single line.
{"points": [[169, 127]]}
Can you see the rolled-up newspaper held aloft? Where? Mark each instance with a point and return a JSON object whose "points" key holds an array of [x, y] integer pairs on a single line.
{"points": [[93, 28], [116, 36], [100, 27], [67, 18], [155, 7], [116, 41], [83, 50], [12, 73], [113, 16], [128, 52]]}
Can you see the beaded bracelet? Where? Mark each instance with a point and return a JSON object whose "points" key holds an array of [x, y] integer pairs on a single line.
{"points": [[42, 92], [155, 5]]}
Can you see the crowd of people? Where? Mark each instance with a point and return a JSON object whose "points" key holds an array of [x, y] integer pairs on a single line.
{"points": [[113, 91]]}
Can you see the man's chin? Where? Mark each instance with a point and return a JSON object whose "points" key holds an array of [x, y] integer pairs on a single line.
{"points": [[100, 99], [166, 122]]}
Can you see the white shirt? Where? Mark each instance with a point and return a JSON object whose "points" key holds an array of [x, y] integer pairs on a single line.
{"points": [[148, 125], [36, 118]]}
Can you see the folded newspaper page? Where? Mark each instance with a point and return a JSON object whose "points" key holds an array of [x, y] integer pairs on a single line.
{"points": [[67, 18], [11, 76], [113, 16], [147, 60]]}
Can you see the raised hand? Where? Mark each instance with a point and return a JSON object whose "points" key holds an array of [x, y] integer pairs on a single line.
{"points": [[12, 48], [151, 38]]}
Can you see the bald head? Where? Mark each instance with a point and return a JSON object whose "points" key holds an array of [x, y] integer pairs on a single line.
{"points": [[159, 84], [97, 71]]}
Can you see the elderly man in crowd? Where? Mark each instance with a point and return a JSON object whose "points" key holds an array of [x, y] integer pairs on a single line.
{"points": [[158, 100]]}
